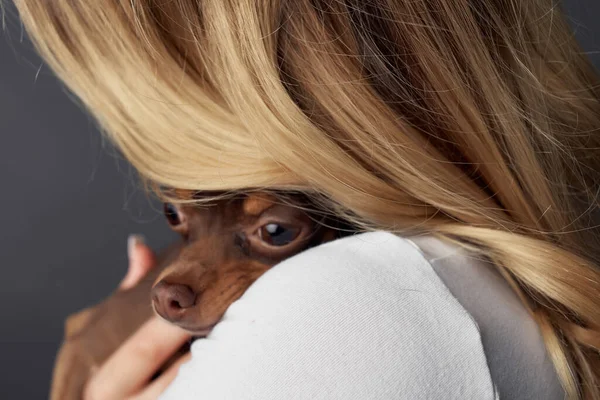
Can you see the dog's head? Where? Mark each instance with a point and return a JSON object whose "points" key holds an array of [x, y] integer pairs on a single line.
{"points": [[227, 246]]}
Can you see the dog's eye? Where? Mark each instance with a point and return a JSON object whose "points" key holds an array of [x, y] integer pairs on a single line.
{"points": [[278, 235], [171, 213]]}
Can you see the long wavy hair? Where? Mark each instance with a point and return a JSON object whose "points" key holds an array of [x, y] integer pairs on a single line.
{"points": [[476, 120]]}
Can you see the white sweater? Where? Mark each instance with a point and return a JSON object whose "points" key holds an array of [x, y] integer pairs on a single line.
{"points": [[373, 316]]}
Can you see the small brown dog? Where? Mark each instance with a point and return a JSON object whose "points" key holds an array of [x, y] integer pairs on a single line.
{"points": [[225, 247]]}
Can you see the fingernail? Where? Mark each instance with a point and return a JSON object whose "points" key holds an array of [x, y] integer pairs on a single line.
{"points": [[132, 241]]}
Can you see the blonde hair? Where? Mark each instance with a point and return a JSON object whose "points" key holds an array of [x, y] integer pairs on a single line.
{"points": [[474, 120]]}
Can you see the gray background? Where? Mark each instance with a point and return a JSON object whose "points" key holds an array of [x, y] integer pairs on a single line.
{"points": [[68, 203]]}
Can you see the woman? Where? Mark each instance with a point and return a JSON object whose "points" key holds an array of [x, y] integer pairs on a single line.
{"points": [[467, 128]]}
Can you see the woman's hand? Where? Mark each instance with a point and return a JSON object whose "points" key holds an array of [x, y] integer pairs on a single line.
{"points": [[127, 372], [141, 261]]}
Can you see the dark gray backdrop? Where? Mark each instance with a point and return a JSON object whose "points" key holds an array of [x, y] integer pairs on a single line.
{"points": [[68, 203]]}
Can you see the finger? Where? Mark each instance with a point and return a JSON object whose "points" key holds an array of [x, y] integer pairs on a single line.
{"points": [[132, 365], [141, 261], [159, 385]]}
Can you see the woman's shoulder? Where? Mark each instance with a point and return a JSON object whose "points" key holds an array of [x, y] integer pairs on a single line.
{"points": [[360, 317], [517, 357]]}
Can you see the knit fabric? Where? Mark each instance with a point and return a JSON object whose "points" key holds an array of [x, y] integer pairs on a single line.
{"points": [[367, 317]]}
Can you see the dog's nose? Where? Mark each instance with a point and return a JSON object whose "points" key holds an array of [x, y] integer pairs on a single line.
{"points": [[172, 300]]}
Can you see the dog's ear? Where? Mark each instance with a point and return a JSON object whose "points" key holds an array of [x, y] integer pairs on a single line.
{"points": [[75, 323]]}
